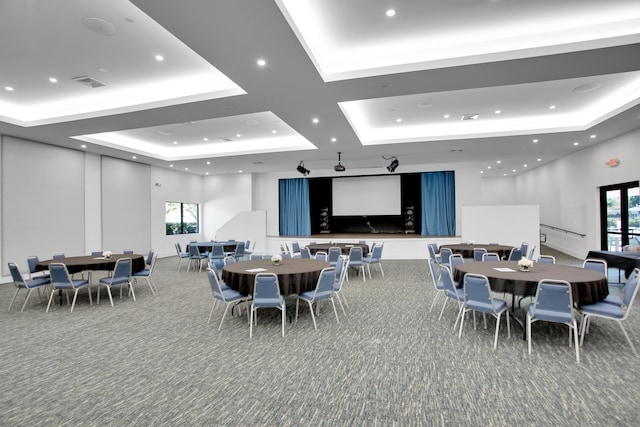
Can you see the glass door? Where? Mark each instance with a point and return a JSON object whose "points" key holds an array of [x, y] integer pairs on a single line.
{"points": [[620, 216]]}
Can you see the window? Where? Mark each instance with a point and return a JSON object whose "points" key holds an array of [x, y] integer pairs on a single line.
{"points": [[620, 216], [181, 218]]}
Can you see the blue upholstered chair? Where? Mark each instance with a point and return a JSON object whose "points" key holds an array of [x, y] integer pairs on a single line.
{"points": [[342, 264], [321, 256], [28, 284], [148, 271], [454, 261], [514, 255], [305, 253], [195, 256], [445, 254], [355, 260], [434, 270], [34, 273], [595, 264], [225, 296], [451, 291], [477, 254], [333, 255], [240, 254], [609, 311], [374, 258], [490, 256], [478, 297], [323, 291], [181, 255], [60, 279], [546, 259], [553, 302], [266, 294], [121, 277]]}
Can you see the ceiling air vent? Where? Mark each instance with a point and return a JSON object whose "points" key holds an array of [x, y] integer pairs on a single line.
{"points": [[88, 81], [470, 117]]}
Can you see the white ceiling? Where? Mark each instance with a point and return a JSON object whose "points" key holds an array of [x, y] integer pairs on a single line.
{"points": [[538, 77]]}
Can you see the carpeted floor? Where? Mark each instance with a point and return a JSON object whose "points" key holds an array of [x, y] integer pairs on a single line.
{"points": [[388, 362]]}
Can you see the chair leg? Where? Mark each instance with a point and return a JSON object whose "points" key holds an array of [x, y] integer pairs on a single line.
{"points": [[575, 338], [340, 302], [313, 317], [528, 331], [284, 316], [334, 310], [211, 312], [495, 340], [75, 297], [252, 309], [110, 296], [226, 307], [133, 294], [462, 324], [26, 299], [434, 301], [628, 339], [381, 270], [50, 299], [443, 306], [14, 298]]}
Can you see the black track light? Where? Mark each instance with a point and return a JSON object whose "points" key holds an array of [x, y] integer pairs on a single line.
{"points": [[304, 171], [393, 165]]}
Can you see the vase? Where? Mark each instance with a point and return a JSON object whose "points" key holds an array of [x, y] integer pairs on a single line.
{"points": [[525, 268]]}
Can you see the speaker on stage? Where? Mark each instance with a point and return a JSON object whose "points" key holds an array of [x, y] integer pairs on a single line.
{"points": [[409, 220], [324, 220]]}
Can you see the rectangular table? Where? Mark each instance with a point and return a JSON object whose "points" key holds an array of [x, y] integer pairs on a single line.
{"points": [[622, 260]]}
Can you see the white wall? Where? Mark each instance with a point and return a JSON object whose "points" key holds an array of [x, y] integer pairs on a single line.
{"points": [[567, 190]]}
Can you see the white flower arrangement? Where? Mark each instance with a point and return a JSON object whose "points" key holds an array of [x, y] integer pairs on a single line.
{"points": [[525, 263], [107, 254], [276, 259]]}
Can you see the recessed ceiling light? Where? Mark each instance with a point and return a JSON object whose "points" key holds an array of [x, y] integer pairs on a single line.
{"points": [[238, 135], [497, 112], [446, 116], [191, 123], [251, 122], [498, 161], [133, 157], [205, 139], [206, 173], [165, 132], [524, 166], [513, 170], [539, 160], [83, 146], [208, 163], [481, 171], [186, 169], [9, 88], [473, 116], [159, 58], [274, 131], [398, 120], [576, 143], [103, 69], [170, 166], [552, 107], [504, 174], [334, 139], [488, 167], [390, 13], [261, 62], [588, 87], [175, 142], [240, 171], [535, 141], [315, 120], [53, 80], [593, 136]]}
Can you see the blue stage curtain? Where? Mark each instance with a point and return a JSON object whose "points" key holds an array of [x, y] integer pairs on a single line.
{"points": [[295, 211], [438, 203]]}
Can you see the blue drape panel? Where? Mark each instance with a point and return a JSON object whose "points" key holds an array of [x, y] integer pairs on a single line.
{"points": [[295, 211], [438, 203]]}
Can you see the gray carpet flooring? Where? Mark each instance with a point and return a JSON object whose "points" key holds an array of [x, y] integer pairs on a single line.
{"points": [[389, 362]]}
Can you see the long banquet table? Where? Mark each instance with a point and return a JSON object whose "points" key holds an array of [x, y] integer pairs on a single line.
{"points": [[622, 260], [466, 250]]}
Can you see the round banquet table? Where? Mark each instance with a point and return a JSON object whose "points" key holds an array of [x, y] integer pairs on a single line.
{"points": [[295, 275], [77, 264], [227, 245], [587, 286], [345, 247], [466, 250]]}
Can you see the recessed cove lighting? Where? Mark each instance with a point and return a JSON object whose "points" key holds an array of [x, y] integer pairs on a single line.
{"points": [[53, 80], [390, 13], [159, 58], [261, 62]]}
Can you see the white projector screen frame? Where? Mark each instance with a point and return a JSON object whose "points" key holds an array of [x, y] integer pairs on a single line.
{"points": [[366, 195]]}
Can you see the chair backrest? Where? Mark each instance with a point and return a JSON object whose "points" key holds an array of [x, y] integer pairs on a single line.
{"points": [[477, 253], [596, 264], [376, 255], [239, 249], [229, 260], [96, 253], [447, 280], [546, 259], [149, 259], [154, 258], [178, 248], [127, 252], [122, 268], [432, 251], [321, 256], [266, 290], [524, 249], [532, 253], [247, 244], [193, 250], [553, 301], [490, 256], [434, 269], [334, 253], [58, 256], [355, 254], [59, 274], [630, 290], [445, 253], [31, 262], [339, 266], [285, 255], [217, 251], [515, 254], [16, 275], [215, 284], [295, 247], [477, 288], [305, 253], [454, 261], [324, 287]]}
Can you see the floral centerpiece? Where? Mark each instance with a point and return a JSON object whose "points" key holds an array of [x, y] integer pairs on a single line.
{"points": [[276, 259], [107, 254], [525, 264], [471, 242]]}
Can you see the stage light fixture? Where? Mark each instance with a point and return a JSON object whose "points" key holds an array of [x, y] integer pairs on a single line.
{"points": [[304, 171], [393, 165]]}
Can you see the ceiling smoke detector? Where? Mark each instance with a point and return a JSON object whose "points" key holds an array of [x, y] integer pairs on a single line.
{"points": [[88, 81], [339, 167], [470, 117]]}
